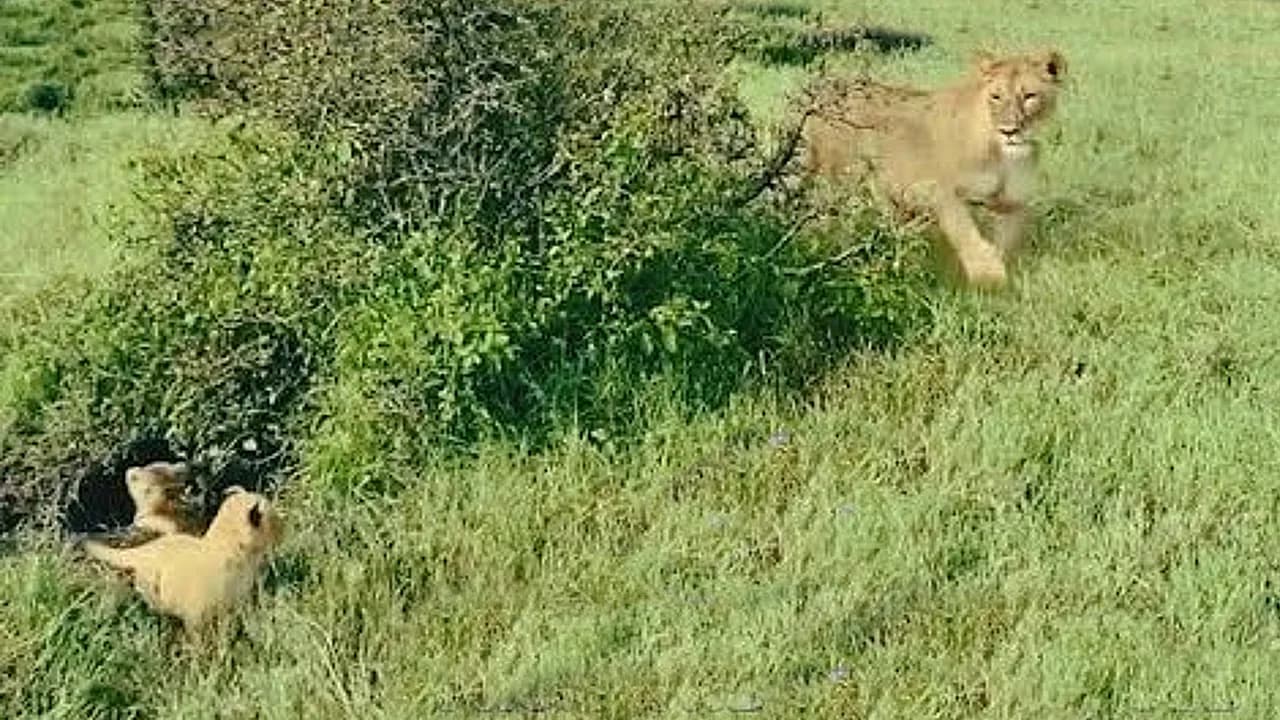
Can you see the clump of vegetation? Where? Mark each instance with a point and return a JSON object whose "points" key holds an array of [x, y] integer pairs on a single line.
{"points": [[49, 97], [438, 221], [58, 56]]}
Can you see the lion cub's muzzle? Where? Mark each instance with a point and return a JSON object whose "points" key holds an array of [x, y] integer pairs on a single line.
{"points": [[1014, 140]]}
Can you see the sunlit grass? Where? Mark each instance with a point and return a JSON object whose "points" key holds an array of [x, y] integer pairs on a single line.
{"points": [[61, 185]]}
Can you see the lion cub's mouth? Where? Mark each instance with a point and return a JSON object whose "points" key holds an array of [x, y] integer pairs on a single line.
{"points": [[1015, 145]]}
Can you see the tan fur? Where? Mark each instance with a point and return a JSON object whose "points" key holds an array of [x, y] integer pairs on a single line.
{"points": [[938, 153], [156, 490], [197, 579]]}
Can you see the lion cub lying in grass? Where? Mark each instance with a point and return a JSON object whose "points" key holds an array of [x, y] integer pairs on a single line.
{"points": [[197, 579], [938, 153]]}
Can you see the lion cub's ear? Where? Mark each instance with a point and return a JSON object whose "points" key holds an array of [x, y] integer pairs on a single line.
{"points": [[1054, 64], [182, 472]]}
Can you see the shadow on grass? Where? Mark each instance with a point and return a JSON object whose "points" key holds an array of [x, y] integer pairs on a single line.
{"points": [[793, 34], [805, 47], [775, 10]]}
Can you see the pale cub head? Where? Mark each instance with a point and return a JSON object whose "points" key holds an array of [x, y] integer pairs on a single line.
{"points": [[247, 523], [156, 486], [1019, 91]]}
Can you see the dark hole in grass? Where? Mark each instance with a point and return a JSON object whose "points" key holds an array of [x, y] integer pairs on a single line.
{"points": [[101, 499]]}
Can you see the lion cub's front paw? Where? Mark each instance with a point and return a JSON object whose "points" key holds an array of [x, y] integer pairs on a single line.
{"points": [[983, 268]]}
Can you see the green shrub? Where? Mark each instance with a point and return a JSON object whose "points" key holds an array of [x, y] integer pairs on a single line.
{"points": [[48, 97], [443, 220], [444, 107], [205, 344]]}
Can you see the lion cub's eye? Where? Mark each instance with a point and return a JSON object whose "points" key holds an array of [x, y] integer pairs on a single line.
{"points": [[1029, 96], [995, 97]]}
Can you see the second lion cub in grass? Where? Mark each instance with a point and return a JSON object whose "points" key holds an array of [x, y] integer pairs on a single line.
{"points": [[156, 490], [939, 153]]}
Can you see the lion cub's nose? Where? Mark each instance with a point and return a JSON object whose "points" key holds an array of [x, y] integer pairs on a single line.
{"points": [[1011, 134]]}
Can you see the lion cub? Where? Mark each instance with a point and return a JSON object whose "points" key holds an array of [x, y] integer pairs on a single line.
{"points": [[940, 153], [197, 579], [156, 490]]}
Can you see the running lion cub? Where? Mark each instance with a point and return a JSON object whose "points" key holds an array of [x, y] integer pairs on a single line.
{"points": [[197, 579], [941, 153]]}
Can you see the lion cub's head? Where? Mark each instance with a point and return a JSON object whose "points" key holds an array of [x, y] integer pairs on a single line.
{"points": [[156, 487], [247, 523], [1019, 91]]}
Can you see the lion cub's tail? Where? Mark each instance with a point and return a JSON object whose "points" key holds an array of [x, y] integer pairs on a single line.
{"points": [[107, 554]]}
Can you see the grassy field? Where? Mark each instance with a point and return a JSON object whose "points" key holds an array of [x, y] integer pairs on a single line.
{"points": [[1062, 501], [62, 54], [62, 169], [59, 187]]}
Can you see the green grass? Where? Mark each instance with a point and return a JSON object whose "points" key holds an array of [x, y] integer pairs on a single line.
{"points": [[60, 180], [1060, 502], [85, 48], [61, 185]]}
